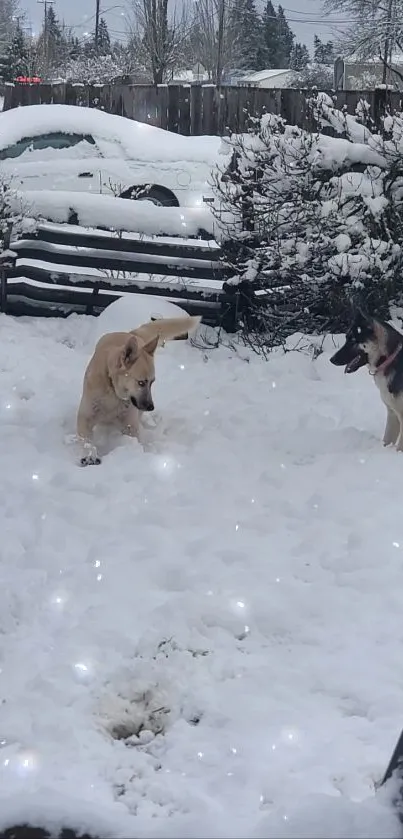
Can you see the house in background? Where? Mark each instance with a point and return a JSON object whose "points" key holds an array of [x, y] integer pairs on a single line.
{"points": [[358, 74], [196, 74], [268, 79]]}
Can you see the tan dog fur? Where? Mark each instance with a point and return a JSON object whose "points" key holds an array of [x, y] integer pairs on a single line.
{"points": [[118, 379]]}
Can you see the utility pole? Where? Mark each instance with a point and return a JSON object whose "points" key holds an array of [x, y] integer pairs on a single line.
{"points": [[388, 44], [220, 41], [45, 4], [97, 14]]}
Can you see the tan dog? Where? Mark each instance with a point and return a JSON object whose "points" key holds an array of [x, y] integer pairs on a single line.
{"points": [[118, 379]]}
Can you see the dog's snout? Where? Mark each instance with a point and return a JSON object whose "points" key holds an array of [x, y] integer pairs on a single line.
{"points": [[142, 404]]}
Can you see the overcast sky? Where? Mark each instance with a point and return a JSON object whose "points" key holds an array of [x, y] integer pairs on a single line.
{"points": [[305, 16]]}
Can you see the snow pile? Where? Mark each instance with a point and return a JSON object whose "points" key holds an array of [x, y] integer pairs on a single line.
{"points": [[202, 636], [141, 141], [118, 214]]}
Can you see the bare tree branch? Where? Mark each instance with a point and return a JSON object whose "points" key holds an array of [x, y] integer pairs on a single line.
{"points": [[158, 37]]}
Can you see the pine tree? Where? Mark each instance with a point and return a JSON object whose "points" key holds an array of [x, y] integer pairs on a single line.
{"points": [[317, 47], [299, 57], [270, 35], [104, 41], [53, 30], [50, 41], [74, 49], [285, 40], [323, 53], [15, 61], [8, 16], [247, 34]]}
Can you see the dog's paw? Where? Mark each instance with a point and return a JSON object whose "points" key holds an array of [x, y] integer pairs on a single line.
{"points": [[90, 460]]}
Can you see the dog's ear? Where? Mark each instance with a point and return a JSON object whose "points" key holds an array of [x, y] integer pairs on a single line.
{"points": [[362, 315], [362, 320], [380, 331], [151, 346], [130, 352]]}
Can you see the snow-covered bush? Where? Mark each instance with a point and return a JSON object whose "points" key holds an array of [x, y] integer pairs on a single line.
{"points": [[95, 69], [6, 215], [314, 221], [12, 221], [14, 211]]}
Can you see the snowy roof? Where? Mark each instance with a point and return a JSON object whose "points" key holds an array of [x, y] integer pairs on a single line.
{"points": [[261, 75], [397, 58], [184, 75]]}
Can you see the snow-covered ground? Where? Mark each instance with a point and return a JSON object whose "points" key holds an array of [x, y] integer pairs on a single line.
{"points": [[201, 637]]}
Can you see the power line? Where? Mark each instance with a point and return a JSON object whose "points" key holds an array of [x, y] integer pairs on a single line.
{"points": [[311, 19], [320, 20], [92, 17], [297, 12]]}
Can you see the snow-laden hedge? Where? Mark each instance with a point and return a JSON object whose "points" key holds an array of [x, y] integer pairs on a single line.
{"points": [[316, 221]]}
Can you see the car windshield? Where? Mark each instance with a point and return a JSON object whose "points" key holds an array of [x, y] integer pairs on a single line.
{"points": [[56, 140]]}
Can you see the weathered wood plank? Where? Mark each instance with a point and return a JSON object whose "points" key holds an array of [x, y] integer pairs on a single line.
{"points": [[197, 109]]}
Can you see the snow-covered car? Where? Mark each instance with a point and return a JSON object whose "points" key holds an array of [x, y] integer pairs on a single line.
{"points": [[72, 149]]}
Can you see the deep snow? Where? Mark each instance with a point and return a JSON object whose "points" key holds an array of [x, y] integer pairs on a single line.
{"points": [[234, 586], [145, 142]]}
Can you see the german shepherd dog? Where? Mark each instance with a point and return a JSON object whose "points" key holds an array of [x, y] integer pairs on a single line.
{"points": [[378, 345]]}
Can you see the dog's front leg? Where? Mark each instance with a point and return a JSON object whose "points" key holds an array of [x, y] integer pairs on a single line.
{"points": [[85, 428], [130, 423], [392, 429], [399, 444]]}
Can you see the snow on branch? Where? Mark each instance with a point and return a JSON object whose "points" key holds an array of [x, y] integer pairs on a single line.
{"points": [[311, 222]]}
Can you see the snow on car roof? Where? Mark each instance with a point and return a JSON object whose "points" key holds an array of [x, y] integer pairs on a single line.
{"points": [[138, 139]]}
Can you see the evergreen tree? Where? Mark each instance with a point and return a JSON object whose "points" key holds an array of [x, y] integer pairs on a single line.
{"points": [[16, 60], [247, 34], [285, 40], [8, 15], [270, 35], [104, 41], [50, 42], [74, 49], [299, 57], [323, 53], [53, 30]]}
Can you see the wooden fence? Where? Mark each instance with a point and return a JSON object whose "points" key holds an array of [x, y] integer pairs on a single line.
{"points": [[62, 269], [194, 109]]}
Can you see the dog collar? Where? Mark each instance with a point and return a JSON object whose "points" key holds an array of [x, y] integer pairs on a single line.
{"points": [[388, 361]]}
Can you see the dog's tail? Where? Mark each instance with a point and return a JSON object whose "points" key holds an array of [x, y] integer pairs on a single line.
{"points": [[167, 329]]}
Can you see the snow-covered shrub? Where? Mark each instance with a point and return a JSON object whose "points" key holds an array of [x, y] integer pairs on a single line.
{"points": [[6, 214], [12, 221], [314, 221], [94, 69]]}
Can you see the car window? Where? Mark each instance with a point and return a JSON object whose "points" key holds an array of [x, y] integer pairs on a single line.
{"points": [[56, 140]]}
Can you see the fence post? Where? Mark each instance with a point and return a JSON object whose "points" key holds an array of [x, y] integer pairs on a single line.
{"points": [[3, 289], [93, 300], [7, 260]]}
